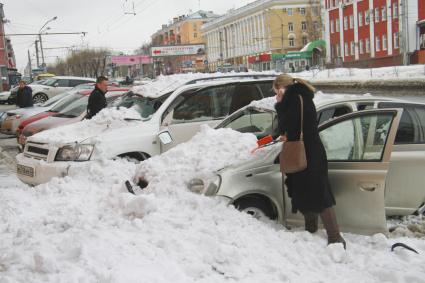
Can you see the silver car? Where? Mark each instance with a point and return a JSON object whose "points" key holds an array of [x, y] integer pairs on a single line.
{"points": [[376, 163]]}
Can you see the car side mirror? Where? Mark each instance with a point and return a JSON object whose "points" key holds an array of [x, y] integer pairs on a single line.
{"points": [[165, 137]]}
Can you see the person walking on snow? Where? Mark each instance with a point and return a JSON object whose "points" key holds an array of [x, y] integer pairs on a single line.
{"points": [[309, 189], [97, 100]]}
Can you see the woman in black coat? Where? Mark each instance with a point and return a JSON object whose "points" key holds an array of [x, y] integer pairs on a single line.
{"points": [[309, 190]]}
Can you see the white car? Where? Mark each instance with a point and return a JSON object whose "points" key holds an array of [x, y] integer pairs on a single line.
{"points": [[180, 112], [4, 97], [56, 85]]}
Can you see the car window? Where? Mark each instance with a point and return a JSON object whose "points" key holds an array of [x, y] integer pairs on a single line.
{"points": [[408, 131], [197, 107], [50, 82], [258, 122], [65, 102], [243, 95], [75, 109], [420, 111], [74, 83], [330, 113], [364, 106], [357, 139], [63, 83], [146, 106], [266, 88]]}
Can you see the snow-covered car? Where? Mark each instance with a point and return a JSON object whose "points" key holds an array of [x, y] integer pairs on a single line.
{"points": [[56, 85], [376, 163], [16, 116], [180, 112], [4, 97]]}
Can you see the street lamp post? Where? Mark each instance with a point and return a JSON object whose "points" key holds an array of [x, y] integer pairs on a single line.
{"points": [[41, 42]]}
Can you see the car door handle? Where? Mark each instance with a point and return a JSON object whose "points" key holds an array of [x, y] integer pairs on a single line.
{"points": [[368, 187]]}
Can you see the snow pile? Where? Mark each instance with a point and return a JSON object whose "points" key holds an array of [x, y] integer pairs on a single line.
{"points": [[108, 118], [384, 73], [265, 103], [410, 226], [87, 228]]}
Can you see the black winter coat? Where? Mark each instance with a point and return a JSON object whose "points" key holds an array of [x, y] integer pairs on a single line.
{"points": [[310, 189], [97, 102], [24, 97]]}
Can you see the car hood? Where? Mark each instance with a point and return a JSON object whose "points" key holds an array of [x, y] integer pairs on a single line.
{"points": [[30, 111], [264, 156], [102, 128]]}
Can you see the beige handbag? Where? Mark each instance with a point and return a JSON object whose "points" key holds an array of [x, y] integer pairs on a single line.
{"points": [[292, 156]]}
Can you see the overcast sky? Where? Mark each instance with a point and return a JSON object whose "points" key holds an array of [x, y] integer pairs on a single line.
{"points": [[104, 20]]}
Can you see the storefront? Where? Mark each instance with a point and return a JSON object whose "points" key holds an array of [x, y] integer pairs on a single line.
{"points": [[261, 62]]}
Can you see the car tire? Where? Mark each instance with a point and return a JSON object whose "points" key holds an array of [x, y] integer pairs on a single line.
{"points": [[40, 98], [258, 207]]}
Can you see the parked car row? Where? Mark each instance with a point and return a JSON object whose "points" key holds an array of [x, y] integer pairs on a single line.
{"points": [[375, 146]]}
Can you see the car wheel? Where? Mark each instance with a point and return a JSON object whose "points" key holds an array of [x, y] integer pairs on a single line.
{"points": [[258, 207], [40, 98]]}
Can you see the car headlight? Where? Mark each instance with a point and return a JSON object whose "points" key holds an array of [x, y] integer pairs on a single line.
{"points": [[198, 186], [77, 152]]}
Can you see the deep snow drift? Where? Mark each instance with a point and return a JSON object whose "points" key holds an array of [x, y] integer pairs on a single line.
{"points": [[87, 228]]}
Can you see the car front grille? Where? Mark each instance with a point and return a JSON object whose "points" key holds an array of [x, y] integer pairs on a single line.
{"points": [[36, 151]]}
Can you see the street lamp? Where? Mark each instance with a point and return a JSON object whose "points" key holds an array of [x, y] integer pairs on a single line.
{"points": [[41, 42]]}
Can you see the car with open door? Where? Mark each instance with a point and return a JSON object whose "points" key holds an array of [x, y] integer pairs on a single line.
{"points": [[358, 146]]}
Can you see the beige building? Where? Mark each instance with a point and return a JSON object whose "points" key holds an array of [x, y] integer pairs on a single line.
{"points": [[259, 34], [182, 31]]}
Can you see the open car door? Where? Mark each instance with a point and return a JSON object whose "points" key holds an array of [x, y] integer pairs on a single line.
{"points": [[358, 146]]}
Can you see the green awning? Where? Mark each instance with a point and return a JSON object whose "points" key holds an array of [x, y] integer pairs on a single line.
{"points": [[321, 44]]}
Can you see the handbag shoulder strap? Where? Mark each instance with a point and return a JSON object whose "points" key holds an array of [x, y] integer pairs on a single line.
{"points": [[302, 118]]}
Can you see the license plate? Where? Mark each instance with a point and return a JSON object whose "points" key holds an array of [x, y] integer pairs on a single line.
{"points": [[25, 170]]}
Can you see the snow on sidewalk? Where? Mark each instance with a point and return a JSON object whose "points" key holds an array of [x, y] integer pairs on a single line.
{"points": [[87, 228]]}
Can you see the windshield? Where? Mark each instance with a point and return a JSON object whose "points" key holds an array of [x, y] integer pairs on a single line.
{"points": [[54, 99], [256, 121], [146, 106], [65, 102], [75, 109]]}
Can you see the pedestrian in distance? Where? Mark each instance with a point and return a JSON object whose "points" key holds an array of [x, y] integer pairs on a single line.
{"points": [[97, 100], [309, 189], [24, 95]]}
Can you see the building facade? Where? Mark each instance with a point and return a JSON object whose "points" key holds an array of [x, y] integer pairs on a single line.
{"points": [[183, 31], [372, 33], [259, 34]]}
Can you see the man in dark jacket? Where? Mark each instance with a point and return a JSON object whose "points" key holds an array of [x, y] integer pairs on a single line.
{"points": [[97, 100], [24, 96]]}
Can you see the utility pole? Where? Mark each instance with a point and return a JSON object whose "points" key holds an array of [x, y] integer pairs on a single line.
{"points": [[36, 54], [29, 65], [42, 52]]}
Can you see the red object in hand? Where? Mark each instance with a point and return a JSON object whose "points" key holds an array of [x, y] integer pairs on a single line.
{"points": [[265, 140]]}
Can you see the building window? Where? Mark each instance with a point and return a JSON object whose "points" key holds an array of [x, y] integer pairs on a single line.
{"points": [[384, 42], [384, 13], [337, 25], [395, 40], [291, 41], [290, 26], [395, 10], [376, 15], [361, 46], [378, 43], [305, 40], [290, 12], [345, 23], [302, 11], [351, 21], [346, 49], [360, 19], [304, 26], [367, 17], [316, 25], [338, 50], [332, 26], [352, 48], [367, 45], [315, 11]]}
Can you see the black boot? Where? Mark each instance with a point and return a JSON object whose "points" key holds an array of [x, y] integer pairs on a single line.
{"points": [[332, 229], [311, 221]]}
